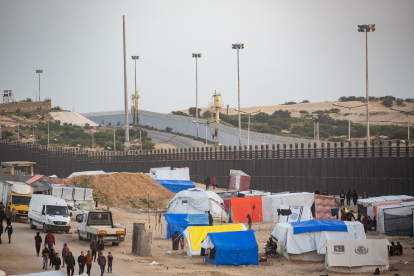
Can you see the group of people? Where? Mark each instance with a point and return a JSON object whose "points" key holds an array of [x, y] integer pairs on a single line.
{"points": [[211, 182], [368, 223], [8, 215], [351, 195], [52, 258]]}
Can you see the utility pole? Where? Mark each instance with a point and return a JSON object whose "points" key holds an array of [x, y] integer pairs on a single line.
{"points": [[114, 140], [196, 56], [127, 143], [238, 47], [47, 133]]}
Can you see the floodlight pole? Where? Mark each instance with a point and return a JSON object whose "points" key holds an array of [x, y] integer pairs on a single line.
{"points": [[33, 132], [48, 134], [238, 47], [114, 140], [366, 29], [140, 140], [39, 71]]}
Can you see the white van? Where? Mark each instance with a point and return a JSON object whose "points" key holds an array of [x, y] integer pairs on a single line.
{"points": [[49, 212]]}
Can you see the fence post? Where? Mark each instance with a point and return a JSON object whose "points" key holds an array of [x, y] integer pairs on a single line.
{"points": [[398, 148]]}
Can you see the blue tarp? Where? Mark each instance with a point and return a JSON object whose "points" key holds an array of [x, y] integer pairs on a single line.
{"points": [[180, 222], [318, 225], [176, 186], [235, 248]]}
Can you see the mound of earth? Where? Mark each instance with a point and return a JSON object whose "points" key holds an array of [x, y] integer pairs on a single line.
{"points": [[125, 189]]}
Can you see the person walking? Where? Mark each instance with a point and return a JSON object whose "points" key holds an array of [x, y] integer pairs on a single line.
{"points": [[81, 262], [65, 253], [359, 217], [8, 215], [110, 258], [213, 182], [355, 197], [14, 213], [342, 197], [175, 237], [1, 206], [58, 262], [102, 263], [52, 256], [45, 256], [70, 264], [207, 181], [94, 247], [1, 229], [50, 240], [249, 221], [89, 259], [317, 192], [101, 246], [348, 197], [38, 242], [9, 230]]}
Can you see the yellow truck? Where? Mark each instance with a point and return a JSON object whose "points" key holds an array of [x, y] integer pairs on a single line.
{"points": [[16, 195]]}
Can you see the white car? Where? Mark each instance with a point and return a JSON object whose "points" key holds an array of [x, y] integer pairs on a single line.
{"points": [[73, 211]]}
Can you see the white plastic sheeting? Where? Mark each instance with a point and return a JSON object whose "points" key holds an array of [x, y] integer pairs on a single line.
{"points": [[197, 201], [49, 273], [21, 188], [72, 193], [270, 204], [299, 213], [75, 174], [356, 256], [368, 201], [402, 209], [172, 175], [294, 246]]}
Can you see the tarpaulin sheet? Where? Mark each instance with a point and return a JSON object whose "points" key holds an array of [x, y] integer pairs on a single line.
{"points": [[239, 180], [318, 225], [172, 175], [374, 207], [230, 251], [356, 256], [242, 206], [270, 204], [295, 214], [199, 233], [226, 204], [176, 186], [181, 221], [323, 206]]}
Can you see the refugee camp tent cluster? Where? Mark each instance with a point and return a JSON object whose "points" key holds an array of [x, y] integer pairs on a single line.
{"points": [[176, 180], [83, 196], [366, 205], [304, 240], [395, 219]]}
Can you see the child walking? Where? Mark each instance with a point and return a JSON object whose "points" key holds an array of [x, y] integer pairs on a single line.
{"points": [[110, 258]]}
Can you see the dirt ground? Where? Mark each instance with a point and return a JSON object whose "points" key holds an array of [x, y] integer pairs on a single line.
{"points": [[18, 257]]}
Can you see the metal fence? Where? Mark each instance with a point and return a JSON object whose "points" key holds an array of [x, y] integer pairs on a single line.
{"points": [[227, 136], [379, 169]]}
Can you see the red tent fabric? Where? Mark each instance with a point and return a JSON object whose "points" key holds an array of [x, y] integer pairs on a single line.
{"points": [[226, 204], [241, 206]]}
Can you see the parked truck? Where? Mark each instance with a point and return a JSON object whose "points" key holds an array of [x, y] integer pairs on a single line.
{"points": [[95, 224], [16, 195]]}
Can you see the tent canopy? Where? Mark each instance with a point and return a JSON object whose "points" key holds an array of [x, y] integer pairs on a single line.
{"points": [[318, 225], [176, 186], [180, 222], [240, 207], [231, 240], [172, 174], [273, 202]]}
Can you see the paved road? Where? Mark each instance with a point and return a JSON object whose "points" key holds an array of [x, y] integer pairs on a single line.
{"points": [[19, 256], [177, 141]]}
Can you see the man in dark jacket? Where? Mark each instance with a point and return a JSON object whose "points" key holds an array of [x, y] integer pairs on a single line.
{"points": [[350, 215], [101, 246], [207, 181], [50, 239], [102, 263], [317, 192], [342, 197], [355, 197], [9, 230], [94, 248], [70, 264], [1, 229], [249, 221], [45, 256], [175, 240], [81, 262], [348, 197], [38, 242], [52, 256]]}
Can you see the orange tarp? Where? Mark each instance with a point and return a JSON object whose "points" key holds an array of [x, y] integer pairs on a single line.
{"points": [[241, 206], [382, 204]]}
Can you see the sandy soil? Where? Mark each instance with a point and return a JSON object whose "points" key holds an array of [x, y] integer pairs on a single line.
{"points": [[18, 257], [379, 114], [125, 189]]}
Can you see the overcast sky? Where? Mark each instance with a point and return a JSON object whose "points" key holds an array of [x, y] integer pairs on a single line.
{"points": [[294, 50]]}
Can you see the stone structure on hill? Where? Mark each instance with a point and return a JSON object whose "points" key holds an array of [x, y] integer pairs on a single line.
{"points": [[26, 106]]}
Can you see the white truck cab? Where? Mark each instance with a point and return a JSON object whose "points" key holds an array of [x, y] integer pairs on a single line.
{"points": [[49, 212], [94, 224]]}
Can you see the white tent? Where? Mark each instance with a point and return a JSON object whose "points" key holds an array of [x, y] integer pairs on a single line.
{"points": [[356, 256], [308, 246], [72, 193], [402, 209], [172, 174], [197, 201], [270, 204], [48, 273], [295, 213], [368, 202]]}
